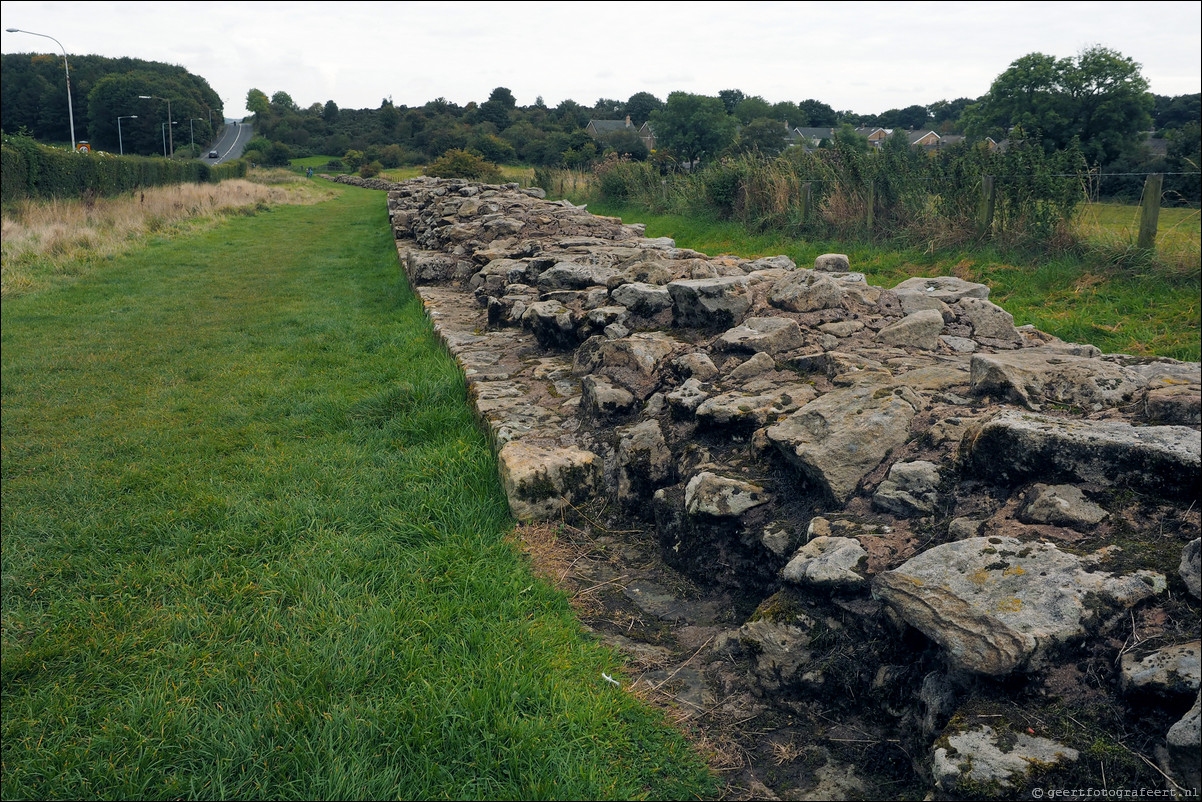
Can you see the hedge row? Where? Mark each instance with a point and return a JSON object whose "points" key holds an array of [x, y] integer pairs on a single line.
{"points": [[31, 170]]}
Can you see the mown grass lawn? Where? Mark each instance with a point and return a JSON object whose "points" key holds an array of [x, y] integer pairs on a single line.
{"points": [[254, 545]]}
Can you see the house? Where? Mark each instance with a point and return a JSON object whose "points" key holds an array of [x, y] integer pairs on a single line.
{"points": [[810, 138], [926, 139], [600, 129], [875, 135]]}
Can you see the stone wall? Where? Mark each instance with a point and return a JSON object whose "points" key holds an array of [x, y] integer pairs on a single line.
{"points": [[914, 503]]}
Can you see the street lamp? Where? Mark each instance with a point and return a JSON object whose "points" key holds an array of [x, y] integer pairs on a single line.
{"points": [[192, 132], [163, 130], [120, 141], [168, 102], [67, 69]]}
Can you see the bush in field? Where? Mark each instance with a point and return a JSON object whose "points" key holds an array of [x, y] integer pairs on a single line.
{"points": [[722, 181], [620, 179], [627, 143], [370, 169], [462, 164], [392, 156], [492, 148], [278, 155]]}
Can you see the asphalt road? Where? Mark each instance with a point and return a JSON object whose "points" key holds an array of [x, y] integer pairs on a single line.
{"points": [[230, 143]]}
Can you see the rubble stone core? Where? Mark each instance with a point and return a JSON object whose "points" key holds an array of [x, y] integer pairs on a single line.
{"points": [[925, 506]]}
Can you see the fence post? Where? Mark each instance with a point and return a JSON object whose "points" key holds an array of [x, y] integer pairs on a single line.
{"points": [[807, 197], [1149, 211], [871, 205], [986, 207]]}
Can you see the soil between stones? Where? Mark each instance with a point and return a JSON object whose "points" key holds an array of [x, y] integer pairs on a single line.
{"points": [[670, 632]]}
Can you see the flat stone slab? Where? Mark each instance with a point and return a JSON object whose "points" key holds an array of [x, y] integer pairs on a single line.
{"points": [[1037, 377], [979, 757], [996, 605], [842, 436], [1015, 447], [769, 335], [737, 408]]}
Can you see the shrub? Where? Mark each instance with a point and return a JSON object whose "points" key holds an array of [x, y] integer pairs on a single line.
{"points": [[620, 179], [370, 170], [457, 163]]}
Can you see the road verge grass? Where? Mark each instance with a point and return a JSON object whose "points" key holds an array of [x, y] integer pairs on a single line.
{"points": [[255, 545], [49, 242]]}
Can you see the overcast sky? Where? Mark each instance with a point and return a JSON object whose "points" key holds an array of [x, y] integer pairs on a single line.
{"points": [[864, 57]]}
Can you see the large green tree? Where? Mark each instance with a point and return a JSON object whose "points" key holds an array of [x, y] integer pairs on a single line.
{"points": [[257, 102], [818, 114], [752, 108], [640, 105], [693, 126], [1099, 98], [764, 136], [33, 96]]}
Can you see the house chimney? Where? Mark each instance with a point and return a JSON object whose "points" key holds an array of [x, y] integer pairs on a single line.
{"points": [[628, 125]]}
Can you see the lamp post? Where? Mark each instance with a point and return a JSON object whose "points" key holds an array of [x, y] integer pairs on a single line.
{"points": [[163, 131], [168, 102], [67, 69], [120, 141], [192, 133]]}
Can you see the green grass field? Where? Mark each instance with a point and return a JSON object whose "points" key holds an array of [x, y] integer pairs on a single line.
{"points": [[255, 546]]}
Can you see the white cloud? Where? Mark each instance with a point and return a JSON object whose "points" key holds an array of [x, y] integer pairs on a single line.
{"points": [[866, 58]]}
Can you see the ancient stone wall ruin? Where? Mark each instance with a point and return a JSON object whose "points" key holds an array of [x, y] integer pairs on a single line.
{"points": [[927, 521]]}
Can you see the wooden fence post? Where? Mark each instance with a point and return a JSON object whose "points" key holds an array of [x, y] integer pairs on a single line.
{"points": [[1149, 211], [871, 205], [986, 207], [807, 198]]}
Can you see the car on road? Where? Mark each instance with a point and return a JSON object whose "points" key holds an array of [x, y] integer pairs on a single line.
{"points": [[212, 154]]}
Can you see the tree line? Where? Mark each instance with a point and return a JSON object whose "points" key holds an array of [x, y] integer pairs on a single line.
{"points": [[1097, 102], [33, 102]]}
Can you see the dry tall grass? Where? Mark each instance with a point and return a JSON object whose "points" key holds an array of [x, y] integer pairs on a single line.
{"points": [[45, 241]]}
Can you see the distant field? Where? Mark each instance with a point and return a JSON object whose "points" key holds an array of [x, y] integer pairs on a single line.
{"points": [[1178, 228], [519, 174]]}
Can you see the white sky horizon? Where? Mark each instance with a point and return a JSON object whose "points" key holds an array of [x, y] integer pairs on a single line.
{"points": [[852, 56]]}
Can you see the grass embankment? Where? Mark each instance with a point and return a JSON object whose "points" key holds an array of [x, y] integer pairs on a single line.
{"points": [[1106, 293], [255, 546]]}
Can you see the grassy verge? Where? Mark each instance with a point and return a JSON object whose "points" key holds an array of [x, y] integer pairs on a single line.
{"points": [[254, 545], [50, 242], [1101, 296]]}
